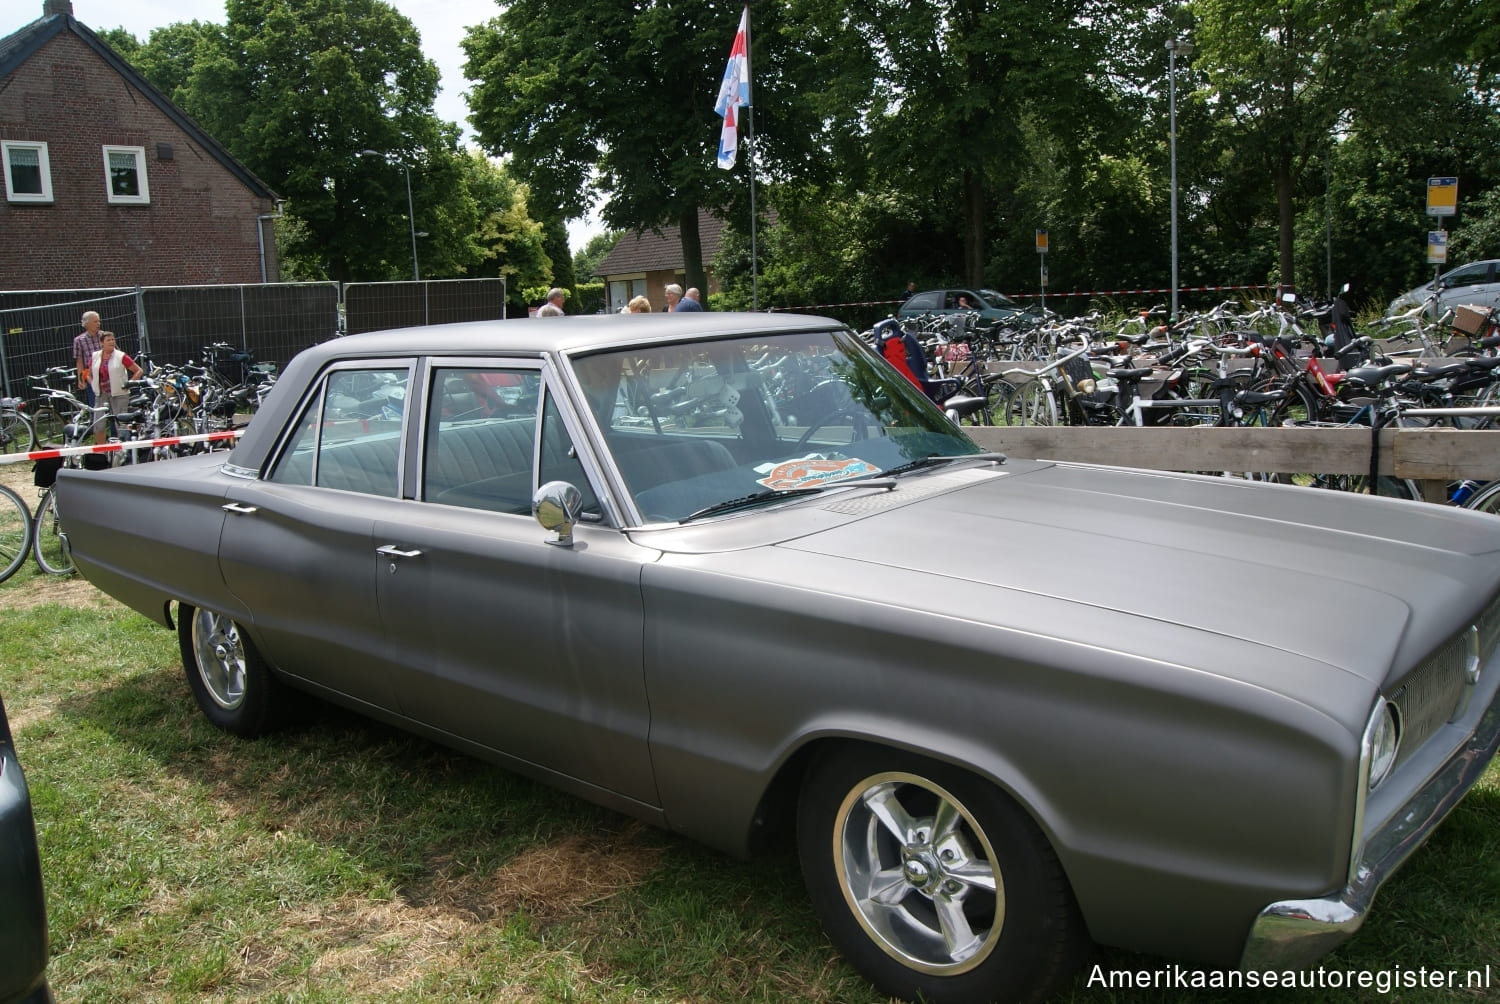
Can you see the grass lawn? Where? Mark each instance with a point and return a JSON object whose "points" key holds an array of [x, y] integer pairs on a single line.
{"points": [[345, 861]]}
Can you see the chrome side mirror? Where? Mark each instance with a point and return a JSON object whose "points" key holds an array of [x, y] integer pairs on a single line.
{"points": [[556, 506]]}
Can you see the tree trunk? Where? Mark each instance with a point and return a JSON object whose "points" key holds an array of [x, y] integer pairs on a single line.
{"points": [[973, 228], [692, 252], [1285, 217]]}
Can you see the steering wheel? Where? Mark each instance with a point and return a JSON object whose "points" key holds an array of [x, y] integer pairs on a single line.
{"points": [[847, 408]]}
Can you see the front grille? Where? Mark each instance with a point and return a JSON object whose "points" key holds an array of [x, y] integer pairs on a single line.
{"points": [[1489, 630], [1434, 693]]}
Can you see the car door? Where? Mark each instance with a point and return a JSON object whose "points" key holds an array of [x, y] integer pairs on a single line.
{"points": [[297, 545], [528, 649], [1471, 284]]}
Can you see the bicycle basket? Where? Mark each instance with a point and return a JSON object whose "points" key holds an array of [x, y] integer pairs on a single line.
{"points": [[44, 472], [1470, 320], [1077, 370]]}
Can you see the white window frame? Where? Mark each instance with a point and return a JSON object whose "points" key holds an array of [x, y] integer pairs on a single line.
{"points": [[139, 152], [46, 170]]}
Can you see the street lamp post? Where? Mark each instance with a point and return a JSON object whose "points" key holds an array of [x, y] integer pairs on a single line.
{"points": [[411, 217], [1185, 47]]}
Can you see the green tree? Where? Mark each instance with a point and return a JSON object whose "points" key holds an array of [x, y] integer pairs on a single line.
{"points": [[297, 89], [614, 98]]}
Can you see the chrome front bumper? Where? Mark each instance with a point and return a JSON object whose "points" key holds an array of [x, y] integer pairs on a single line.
{"points": [[1294, 933]]}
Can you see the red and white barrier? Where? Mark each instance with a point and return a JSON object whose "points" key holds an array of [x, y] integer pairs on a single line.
{"points": [[138, 444], [1033, 295]]}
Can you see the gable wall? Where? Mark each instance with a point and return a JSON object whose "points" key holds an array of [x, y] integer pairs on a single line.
{"points": [[200, 226]]}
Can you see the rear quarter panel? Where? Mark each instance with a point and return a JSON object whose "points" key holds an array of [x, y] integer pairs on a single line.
{"points": [[149, 533]]}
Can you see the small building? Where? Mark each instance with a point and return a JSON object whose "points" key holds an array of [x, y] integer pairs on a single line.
{"points": [[107, 182], [645, 262]]}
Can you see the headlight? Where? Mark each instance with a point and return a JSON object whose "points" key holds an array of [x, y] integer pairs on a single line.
{"points": [[1382, 738]]}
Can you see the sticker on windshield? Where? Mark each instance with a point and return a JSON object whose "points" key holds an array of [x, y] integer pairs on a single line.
{"points": [[814, 471]]}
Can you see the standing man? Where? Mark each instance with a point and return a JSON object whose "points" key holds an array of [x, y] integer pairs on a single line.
{"points": [[911, 287], [85, 344], [674, 296], [688, 302], [553, 306]]}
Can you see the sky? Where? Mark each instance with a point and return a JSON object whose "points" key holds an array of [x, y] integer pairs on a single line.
{"points": [[441, 23]]}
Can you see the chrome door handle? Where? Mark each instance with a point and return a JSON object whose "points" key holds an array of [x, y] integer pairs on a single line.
{"points": [[237, 507], [392, 551]]}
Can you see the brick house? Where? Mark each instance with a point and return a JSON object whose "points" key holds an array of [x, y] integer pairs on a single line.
{"points": [[107, 182], [643, 263]]}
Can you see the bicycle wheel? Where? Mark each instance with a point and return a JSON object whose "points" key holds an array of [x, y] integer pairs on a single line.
{"points": [[15, 532], [1032, 404], [1486, 500], [49, 545], [1385, 485], [16, 433]]}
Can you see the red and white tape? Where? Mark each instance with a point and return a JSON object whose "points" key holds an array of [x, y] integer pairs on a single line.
{"points": [[138, 444]]}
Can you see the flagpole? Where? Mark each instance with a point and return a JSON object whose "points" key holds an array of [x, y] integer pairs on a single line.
{"points": [[750, 150]]}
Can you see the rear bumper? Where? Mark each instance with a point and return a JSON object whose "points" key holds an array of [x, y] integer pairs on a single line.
{"points": [[1295, 933]]}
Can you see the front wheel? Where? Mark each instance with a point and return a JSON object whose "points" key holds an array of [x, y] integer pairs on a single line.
{"points": [[232, 684], [49, 544], [15, 532], [932, 881]]}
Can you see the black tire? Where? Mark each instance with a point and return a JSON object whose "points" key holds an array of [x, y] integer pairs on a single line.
{"points": [[15, 532], [48, 544], [16, 433], [1487, 499], [232, 684], [893, 904]]}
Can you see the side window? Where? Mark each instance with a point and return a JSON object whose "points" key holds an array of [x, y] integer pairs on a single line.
{"points": [[925, 301], [1471, 275], [125, 174], [559, 460], [350, 435], [28, 174], [481, 438]]}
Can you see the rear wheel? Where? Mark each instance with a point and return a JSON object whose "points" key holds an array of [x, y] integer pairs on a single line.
{"points": [[16, 433], [15, 532], [49, 544], [232, 684], [932, 881], [1032, 404]]}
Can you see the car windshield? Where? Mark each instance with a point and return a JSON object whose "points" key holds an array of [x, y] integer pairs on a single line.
{"points": [[997, 299], [696, 426]]}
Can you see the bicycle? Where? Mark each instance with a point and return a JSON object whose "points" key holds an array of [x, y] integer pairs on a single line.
{"points": [[49, 545]]}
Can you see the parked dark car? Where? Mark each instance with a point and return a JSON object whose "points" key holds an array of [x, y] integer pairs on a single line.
{"points": [[987, 303], [23, 911], [735, 575]]}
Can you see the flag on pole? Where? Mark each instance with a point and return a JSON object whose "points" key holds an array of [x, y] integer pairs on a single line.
{"points": [[734, 92]]}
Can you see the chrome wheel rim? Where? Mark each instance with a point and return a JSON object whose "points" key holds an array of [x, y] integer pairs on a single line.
{"points": [[220, 657], [919, 874]]}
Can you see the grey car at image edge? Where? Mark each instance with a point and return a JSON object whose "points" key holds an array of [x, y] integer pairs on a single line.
{"points": [[23, 911], [734, 575]]}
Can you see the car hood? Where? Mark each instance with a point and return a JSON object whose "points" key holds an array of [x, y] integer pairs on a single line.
{"points": [[1367, 585]]}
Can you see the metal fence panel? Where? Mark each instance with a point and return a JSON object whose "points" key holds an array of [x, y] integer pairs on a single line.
{"points": [[273, 322], [377, 306], [37, 328]]}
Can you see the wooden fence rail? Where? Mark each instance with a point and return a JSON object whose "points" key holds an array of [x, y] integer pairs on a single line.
{"points": [[1431, 457]]}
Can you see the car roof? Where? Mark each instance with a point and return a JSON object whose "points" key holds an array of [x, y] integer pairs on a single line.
{"points": [[518, 337], [528, 335]]}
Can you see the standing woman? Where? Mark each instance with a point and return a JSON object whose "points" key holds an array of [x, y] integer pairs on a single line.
{"points": [[109, 371]]}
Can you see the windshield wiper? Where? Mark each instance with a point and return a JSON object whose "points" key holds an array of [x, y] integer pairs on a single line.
{"points": [[921, 462], [775, 494]]}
